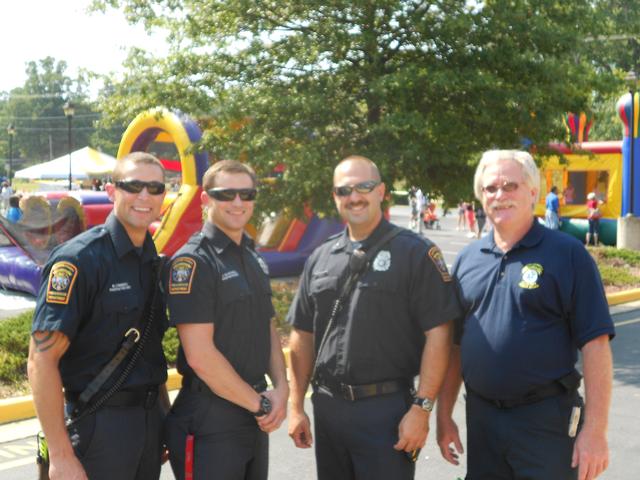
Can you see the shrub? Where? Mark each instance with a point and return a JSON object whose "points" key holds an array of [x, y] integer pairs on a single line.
{"points": [[14, 347]]}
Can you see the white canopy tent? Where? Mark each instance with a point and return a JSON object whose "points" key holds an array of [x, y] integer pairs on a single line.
{"points": [[85, 163]]}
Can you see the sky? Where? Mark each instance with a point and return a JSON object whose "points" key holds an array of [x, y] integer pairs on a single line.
{"points": [[34, 29]]}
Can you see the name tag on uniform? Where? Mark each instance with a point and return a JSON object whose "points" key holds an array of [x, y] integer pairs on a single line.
{"points": [[119, 287], [230, 274]]}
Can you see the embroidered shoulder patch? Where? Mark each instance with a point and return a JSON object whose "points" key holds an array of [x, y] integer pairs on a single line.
{"points": [[181, 276], [61, 280], [438, 260]]}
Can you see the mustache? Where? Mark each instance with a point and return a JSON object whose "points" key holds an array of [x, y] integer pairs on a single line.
{"points": [[357, 204], [504, 204]]}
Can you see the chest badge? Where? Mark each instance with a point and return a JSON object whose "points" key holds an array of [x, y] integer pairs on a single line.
{"points": [[382, 261], [530, 276]]}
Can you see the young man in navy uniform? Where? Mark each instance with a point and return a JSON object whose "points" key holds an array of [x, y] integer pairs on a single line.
{"points": [[95, 287], [219, 298], [397, 325], [532, 297]]}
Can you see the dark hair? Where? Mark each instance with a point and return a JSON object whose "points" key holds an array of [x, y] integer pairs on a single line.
{"points": [[14, 201]]}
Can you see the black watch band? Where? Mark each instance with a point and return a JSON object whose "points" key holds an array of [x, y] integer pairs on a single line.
{"points": [[425, 404], [265, 407]]}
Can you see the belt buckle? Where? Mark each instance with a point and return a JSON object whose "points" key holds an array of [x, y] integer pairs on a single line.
{"points": [[348, 392]]}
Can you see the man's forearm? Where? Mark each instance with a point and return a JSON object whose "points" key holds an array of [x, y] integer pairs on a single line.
{"points": [[277, 365], [435, 360], [301, 359], [451, 385], [598, 373]]}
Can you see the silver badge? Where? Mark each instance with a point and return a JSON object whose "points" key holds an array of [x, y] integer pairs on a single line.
{"points": [[382, 261]]}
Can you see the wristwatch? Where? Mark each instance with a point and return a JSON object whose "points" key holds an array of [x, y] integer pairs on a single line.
{"points": [[265, 407], [424, 403]]}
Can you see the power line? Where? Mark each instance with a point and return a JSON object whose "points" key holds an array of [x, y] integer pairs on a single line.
{"points": [[56, 117]]}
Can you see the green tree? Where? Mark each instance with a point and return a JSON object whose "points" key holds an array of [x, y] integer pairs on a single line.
{"points": [[36, 111], [420, 87]]}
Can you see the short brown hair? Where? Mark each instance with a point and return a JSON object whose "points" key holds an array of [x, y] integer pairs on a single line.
{"points": [[137, 158], [229, 166]]}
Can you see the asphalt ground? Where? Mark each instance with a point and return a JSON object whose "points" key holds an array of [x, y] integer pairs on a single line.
{"points": [[17, 444]]}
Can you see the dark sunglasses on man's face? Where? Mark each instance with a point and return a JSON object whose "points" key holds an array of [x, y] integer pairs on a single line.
{"points": [[229, 194], [362, 187], [136, 186]]}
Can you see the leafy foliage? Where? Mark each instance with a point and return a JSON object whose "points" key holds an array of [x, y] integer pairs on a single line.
{"points": [[14, 347], [420, 87]]}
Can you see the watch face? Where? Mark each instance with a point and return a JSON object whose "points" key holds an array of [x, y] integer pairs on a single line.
{"points": [[265, 405]]}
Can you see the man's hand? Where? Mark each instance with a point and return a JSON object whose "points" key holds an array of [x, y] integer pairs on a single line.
{"points": [[272, 421], [67, 468], [413, 430], [590, 454], [300, 429], [447, 434]]}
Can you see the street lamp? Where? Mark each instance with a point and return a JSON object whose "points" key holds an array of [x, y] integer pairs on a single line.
{"points": [[68, 112], [11, 130]]}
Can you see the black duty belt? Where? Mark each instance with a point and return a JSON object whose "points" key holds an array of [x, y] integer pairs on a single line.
{"points": [[566, 384], [194, 384], [358, 392], [125, 398]]}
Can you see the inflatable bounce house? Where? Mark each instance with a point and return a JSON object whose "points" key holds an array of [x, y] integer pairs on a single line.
{"points": [[608, 169], [50, 218]]}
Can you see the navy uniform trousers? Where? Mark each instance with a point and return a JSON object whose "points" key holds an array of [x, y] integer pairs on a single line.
{"points": [[227, 443], [120, 442], [528, 442], [354, 439]]}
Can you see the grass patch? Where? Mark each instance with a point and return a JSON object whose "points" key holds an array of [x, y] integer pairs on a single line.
{"points": [[619, 268]]}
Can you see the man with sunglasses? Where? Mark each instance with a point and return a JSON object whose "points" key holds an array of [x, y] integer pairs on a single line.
{"points": [[531, 297], [95, 288], [219, 299], [396, 324]]}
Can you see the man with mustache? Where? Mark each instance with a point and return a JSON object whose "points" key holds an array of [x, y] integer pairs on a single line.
{"points": [[531, 297], [394, 325]]}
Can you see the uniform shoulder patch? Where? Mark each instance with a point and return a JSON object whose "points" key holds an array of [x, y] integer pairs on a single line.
{"points": [[438, 260], [62, 277], [181, 275]]}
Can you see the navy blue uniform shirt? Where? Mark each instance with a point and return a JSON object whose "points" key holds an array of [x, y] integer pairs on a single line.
{"points": [[527, 311], [213, 280], [379, 335], [94, 288]]}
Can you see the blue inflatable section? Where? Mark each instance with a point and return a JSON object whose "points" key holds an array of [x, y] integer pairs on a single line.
{"points": [[18, 271]]}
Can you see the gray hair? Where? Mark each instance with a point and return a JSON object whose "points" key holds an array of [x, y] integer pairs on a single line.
{"points": [[524, 159]]}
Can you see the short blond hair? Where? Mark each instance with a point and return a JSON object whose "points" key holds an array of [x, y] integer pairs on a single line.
{"points": [[524, 159]]}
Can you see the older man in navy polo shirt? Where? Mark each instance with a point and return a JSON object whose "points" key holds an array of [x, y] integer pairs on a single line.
{"points": [[532, 298]]}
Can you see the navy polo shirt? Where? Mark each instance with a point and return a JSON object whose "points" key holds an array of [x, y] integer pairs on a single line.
{"points": [[527, 311], [214, 280], [379, 335], [94, 288]]}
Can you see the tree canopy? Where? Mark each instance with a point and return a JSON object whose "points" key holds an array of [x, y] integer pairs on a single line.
{"points": [[420, 87]]}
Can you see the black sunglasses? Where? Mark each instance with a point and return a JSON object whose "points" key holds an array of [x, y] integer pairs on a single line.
{"points": [[362, 187], [229, 194], [136, 186]]}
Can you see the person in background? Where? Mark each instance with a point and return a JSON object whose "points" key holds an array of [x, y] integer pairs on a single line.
{"points": [[14, 214], [551, 219], [593, 216], [471, 219], [481, 218]]}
